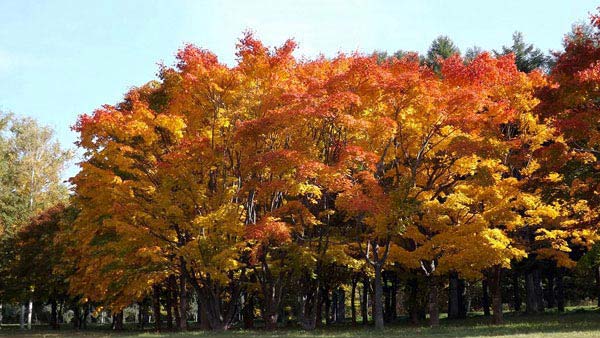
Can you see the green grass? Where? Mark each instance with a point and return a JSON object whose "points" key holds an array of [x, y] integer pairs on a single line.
{"points": [[575, 323]]}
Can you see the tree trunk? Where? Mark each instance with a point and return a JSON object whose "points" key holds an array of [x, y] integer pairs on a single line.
{"points": [[485, 299], [462, 298], [169, 308], [1, 315], [434, 311], [352, 300], [364, 304], [327, 303], [118, 321], [378, 298], [394, 299], [413, 285], [560, 291], [204, 322], [248, 311], [550, 296], [53, 314], [29, 314], [531, 305], [539, 291], [340, 311], [319, 313], [156, 308], [495, 279], [453, 306], [22, 317], [516, 291], [183, 303], [174, 289]]}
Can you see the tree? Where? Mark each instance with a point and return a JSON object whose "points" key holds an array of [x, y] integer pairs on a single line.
{"points": [[31, 176], [441, 48], [527, 57]]}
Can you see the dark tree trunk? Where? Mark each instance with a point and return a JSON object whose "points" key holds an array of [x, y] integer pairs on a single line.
{"points": [[140, 315], [353, 300], [434, 310], [118, 321], [77, 318], [560, 291], [413, 302], [156, 307], [495, 287], [204, 322], [462, 298], [327, 305], [453, 297], [377, 303], [183, 303], [485, 299], [550, 295], [340, 311], [169, 308], [531, 304], [53, 314], [321, 299], [539, 291], [516, 291], [393, 298], [364, 304], [248, 311]]}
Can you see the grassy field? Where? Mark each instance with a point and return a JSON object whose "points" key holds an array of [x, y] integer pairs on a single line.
{"points": [[575, 323]]}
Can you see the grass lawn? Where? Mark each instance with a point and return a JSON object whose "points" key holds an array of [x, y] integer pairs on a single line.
{"points": [[575, 323]]}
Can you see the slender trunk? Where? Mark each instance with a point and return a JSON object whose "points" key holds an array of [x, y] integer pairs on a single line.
{"points": [[139, 315], [22, 317], [270, 313], [327, 303], [156, 308], [550, 296], [352, 300], [378, 297], [516, 291], [394, 298], [319, 313], [453, 309], [495, 275], [462, 298], [413, 305], [183, 304], [29, 314], [53, 314], [1, 315], [169, 309], [485, 299], [434, 311], [341, 306], [560, 291], [539, 291], [364, 304]]}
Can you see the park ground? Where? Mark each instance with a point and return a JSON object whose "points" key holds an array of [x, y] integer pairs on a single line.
{"points": [[576, 322]]}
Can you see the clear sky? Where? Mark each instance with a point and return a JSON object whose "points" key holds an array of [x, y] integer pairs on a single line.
{"points": [[59, 59]]}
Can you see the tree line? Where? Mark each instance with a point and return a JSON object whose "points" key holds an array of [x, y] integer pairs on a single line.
{"points": [[281, 191]]}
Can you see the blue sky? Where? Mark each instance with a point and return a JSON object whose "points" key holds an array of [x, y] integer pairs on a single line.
{"points": [[59, 59]]}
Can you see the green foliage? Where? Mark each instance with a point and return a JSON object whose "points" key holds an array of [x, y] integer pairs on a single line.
{"points": [[527, 57]]}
